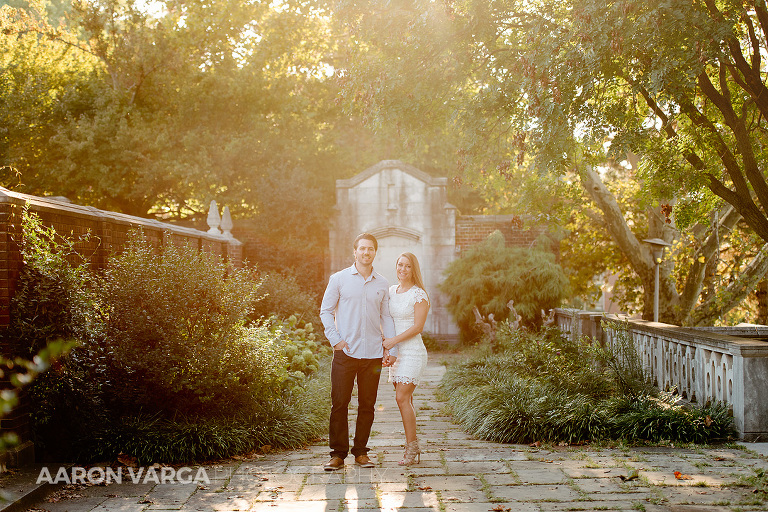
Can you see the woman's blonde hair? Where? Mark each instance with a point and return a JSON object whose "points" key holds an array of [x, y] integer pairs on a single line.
{"points": [[415, 270]]}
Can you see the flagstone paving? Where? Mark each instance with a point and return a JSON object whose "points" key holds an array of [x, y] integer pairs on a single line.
{"points": [[456, 473]]}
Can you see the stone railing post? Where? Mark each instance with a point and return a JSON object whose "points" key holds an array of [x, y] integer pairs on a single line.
{"points": [[213, 219], [226, 222]]}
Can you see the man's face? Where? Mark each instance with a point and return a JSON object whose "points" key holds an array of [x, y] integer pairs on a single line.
{"points": [[365, 252]]}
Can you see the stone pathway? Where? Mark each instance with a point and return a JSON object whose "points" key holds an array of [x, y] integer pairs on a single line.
{"points": [[457, 473]]}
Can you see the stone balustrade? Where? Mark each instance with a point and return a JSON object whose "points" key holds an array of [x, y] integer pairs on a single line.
{"points": [[723, 364]]}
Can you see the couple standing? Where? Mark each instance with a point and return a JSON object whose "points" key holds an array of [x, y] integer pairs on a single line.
{"points": [[371, 325]]}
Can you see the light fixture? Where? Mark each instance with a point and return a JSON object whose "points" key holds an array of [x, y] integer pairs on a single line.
{"points": [[657, 246]]}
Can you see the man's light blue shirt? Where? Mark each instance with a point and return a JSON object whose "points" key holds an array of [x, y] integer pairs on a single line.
{"points": [[356, 310]]}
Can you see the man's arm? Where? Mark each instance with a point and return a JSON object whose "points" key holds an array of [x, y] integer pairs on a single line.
{"points": [[328, 310]]}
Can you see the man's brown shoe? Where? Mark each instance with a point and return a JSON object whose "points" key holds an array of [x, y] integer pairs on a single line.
{"points": [[334, 464], [363, 461]]}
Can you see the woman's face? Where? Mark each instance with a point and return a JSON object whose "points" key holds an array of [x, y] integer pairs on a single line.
{"points": [[404, 270]]}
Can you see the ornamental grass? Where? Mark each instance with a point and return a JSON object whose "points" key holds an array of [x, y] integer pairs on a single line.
{"points": [[542, 387]]}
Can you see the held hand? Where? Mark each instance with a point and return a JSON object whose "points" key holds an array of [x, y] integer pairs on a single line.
{"points": [[385, 359], [340, 345], [391, 360], [389, 343]]}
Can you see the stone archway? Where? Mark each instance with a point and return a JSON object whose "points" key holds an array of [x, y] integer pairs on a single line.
{"points": [[394, 241]]}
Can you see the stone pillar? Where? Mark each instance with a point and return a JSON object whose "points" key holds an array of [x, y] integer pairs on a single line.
{"points": [[750, 415]]}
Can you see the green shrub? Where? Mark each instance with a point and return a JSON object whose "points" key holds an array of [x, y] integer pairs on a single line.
{"points": [[548, 356], [303, 349], [53, 298], [171, 370], [19, 373], [620, 360], [657, 418], [281, 295], [545, 387], [490, 274], [175, 333], [286, 422], [435, 344], [84, 420], [69, 402]]}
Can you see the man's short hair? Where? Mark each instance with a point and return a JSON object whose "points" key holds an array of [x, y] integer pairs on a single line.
{"points": [[367, 236]]}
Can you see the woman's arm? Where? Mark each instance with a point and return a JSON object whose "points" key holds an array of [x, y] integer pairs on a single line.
{"points": [[420, 310]]}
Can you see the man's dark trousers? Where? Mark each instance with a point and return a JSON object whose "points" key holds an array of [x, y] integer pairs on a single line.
{"points": [[344, 371]]}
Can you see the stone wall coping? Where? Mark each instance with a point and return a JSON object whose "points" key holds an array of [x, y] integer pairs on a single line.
{"points": [[495, 218], [57, 205], [738, 330], [714, 340]]}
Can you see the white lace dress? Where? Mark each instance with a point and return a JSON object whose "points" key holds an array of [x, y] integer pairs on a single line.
{"points": [[412, 356]]}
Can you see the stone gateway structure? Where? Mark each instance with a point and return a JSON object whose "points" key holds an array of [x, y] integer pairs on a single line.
{"points": [[407, 211]]}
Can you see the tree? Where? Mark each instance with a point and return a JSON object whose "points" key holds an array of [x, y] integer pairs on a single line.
{"points": [[170, 107], [154, 112], [490, 274], [583, 84]]}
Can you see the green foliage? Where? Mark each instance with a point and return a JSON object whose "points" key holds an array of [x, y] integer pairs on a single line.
{"points": [[120, 85], [544, 387], [490, 274], [53, 297], [655, 419], [302, 347], [654, 96], [282, 295], [69, 401], [42, 82], [546, 355], [175, 331], [20, 372], [619, 359], [287, 422], [168, 367], [434, 344]]}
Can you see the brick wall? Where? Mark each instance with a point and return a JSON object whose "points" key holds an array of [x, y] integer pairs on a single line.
{"points": [[473, 229], [108, 235]]}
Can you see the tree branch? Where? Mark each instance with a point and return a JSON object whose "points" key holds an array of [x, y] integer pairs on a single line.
{"points": [[755, 64], [749, 210], [743, 141], [694, 281], [762, 16], [669, 131], [735, 292], [742, 199], [639, 256], [726, 156], [752, 81]]}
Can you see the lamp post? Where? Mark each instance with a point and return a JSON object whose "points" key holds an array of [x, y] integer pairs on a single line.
{"points": [[657, 246]]}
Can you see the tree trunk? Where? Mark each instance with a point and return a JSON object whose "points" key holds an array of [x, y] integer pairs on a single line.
{"points": [[639, 254]]}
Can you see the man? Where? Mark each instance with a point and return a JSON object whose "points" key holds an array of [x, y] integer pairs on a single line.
{"points": [[355, 315]]}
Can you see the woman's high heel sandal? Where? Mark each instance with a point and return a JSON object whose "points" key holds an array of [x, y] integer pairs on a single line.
{"points": [[412, 452]]}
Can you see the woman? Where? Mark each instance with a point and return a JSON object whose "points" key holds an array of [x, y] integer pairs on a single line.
{"points": [[408, 305]]}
